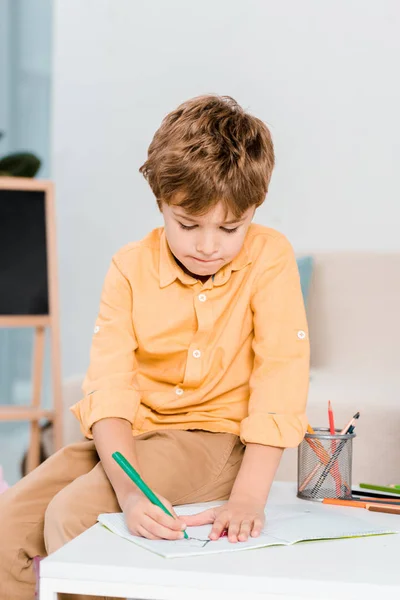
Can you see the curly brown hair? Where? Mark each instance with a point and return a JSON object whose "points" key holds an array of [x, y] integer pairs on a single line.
{"points": [[209, 150]]}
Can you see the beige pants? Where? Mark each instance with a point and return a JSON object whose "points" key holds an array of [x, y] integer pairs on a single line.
{"points": [[63, 497]]}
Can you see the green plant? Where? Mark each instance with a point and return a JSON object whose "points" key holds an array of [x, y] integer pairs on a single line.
{"points": [[19, 164]]}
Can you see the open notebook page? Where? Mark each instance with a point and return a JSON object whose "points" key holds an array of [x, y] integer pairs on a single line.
{"points": [[286, 525]]}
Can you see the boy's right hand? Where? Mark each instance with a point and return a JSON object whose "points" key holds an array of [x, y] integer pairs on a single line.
{"points": [[146, 520]]}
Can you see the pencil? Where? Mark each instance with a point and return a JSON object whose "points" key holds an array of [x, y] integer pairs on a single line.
{"points": [[379, 488], [331, 419], [317, 446], [335, 468], [310, 476], [351, 423], [392, 508], [376, 495], [143, 487], [375, 500]]}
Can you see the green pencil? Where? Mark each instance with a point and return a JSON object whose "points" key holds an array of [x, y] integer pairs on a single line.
{"points": [[134, 475], [379, 488]]}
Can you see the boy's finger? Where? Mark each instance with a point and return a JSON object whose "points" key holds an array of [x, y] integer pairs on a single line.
{"points": [[168, 505], [204, 518], [233, 531], [159, 531], [257, 528], [244, 531], [157, 514], [219, 525], [143, 532]]}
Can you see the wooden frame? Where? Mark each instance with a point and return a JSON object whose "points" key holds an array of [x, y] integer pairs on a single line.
{"points": [[40, 323]]}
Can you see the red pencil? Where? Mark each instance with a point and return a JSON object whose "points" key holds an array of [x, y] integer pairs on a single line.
{"points": [[331, 419]]}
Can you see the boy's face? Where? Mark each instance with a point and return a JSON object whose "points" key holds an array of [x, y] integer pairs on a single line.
{"points": [[204, 244]]}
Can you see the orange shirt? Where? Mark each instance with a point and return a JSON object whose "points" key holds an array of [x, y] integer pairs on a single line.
{"points": [[229, 355]]}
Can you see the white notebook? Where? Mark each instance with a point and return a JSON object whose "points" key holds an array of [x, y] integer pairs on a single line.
{"points": [[286, 525]]}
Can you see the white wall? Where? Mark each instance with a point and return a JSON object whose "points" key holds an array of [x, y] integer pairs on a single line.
{"points": [[4, 73], [25, 77], [323, 75]]}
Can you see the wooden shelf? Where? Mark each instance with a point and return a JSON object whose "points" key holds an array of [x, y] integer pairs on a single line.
{"points": [[24, 413], [24, 321], [25, 183]]}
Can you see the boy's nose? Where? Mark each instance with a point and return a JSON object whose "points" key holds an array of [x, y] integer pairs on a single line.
{"points": [[207, 246]]}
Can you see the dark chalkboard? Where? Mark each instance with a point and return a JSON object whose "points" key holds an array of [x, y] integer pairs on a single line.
{"points": [[23, 254], [29, 295]]}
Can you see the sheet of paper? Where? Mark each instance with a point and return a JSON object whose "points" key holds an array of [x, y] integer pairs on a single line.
{"points": [[286, 525]]}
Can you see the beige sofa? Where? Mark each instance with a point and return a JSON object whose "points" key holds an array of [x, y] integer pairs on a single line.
{"points": [[353, 311]]}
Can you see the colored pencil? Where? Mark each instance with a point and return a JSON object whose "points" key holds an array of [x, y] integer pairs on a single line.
{"points": [[318, 448], [376, 495], [331, 419], [394, 510], [375, 500], [379, 488], [368, 506], [322, 454], [335, 468], [351, 423]]}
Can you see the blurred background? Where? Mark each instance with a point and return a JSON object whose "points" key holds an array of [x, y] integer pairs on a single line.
{"points": [[84, 84], [26, 56]]}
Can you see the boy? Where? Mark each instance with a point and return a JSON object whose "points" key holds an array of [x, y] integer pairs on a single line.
{"points": [[199, 362]]}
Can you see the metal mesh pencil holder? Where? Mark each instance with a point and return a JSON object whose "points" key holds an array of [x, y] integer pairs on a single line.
{"points": [[324, 465]]}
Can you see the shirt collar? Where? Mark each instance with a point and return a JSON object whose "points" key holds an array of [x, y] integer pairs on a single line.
{"points": [[239, 262], [169, 270]]}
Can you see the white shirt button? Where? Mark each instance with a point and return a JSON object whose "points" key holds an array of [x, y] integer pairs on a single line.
{"points": [[96, 329], [179, 391], [202, 297], [196, 353], [301, 334]]}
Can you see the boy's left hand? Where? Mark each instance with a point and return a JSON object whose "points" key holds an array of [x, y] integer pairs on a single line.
{"points": [[239, 518]]}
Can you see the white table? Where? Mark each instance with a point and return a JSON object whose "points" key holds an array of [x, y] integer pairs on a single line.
{"points": [[100, 563]]}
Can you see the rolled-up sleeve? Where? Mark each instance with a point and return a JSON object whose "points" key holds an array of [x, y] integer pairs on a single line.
{"points": [[110, 384], [280, 377]]}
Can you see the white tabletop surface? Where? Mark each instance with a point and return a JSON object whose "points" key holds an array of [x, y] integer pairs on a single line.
{"points": [[352, 568]]}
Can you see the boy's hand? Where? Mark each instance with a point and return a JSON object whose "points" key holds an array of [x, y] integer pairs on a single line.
{"points": [[240, 518], [145, 519]]}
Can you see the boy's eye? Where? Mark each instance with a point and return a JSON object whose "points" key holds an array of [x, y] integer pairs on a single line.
{"points": [[190, 227], [187, 227]]}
